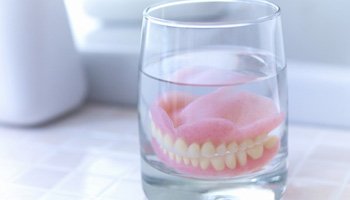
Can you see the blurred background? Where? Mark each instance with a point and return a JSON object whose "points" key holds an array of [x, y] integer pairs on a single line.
{"points": [[316, 40], [81, 56], [103, 38]]}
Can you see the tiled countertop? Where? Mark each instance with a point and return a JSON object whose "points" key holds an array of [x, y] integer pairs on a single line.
{"points": [[93, 155]]}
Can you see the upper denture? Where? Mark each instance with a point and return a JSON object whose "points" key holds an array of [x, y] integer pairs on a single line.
{"points": [[221, 116], [215, 132]]}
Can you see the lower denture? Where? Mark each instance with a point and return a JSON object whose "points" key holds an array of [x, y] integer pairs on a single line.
{"points": [[219, 134]]}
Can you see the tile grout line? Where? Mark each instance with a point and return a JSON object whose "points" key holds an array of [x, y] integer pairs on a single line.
{"points": [[317, 141], [54, 189], [70, 173], [342, 187], [318, 181], [30, 166], [307, 154], [77, 170], [119, 179], [99, 195], [67, 177], [38, 164]]}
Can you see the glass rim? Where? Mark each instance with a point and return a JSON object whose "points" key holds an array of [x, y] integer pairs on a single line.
{"points": [[183, 24]]}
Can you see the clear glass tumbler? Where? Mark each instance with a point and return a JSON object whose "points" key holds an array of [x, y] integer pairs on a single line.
{"points": [[213, 101]]}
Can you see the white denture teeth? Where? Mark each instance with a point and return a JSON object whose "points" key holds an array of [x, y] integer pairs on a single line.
{"points": [[157, 134], [204, 163], [178, 158], [218, 163], [186, 161], [168, 142], [220, 157], [208, 150], [233, 147], [194, 162], [256, 151], [261, 138], [221, 150], [271, 142], [246, 144], [153, 129], [242, 157], [194, 150], [180, 147], [230, 161], [161, 139], [171, 155]]}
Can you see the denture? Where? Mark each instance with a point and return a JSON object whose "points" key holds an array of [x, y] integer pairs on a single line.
{"points": [[223, 133]]}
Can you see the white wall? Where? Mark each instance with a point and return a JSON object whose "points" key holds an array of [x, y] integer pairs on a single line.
{"points": [[317, 30]]}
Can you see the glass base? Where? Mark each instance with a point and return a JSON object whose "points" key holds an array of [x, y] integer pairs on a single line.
{"points": [[158, 185]]}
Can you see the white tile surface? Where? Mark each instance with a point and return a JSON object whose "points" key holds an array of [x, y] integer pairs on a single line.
{"points": [[28, 153], [10, 169], [66, 159], [94, 155], [41, 178], [109, 166], [86, 143], [300, 189], [55, 196], [85, 185], [76, 158], [10, 191], [124, 190]]}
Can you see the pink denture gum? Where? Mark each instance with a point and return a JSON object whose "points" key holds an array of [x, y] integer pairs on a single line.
{"points": [[223, 133]]}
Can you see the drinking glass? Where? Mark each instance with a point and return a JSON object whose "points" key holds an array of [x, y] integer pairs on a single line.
{"points": [[213, 101]]}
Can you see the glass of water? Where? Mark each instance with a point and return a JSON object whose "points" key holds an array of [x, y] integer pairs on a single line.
{"points": [[213, 101]]}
